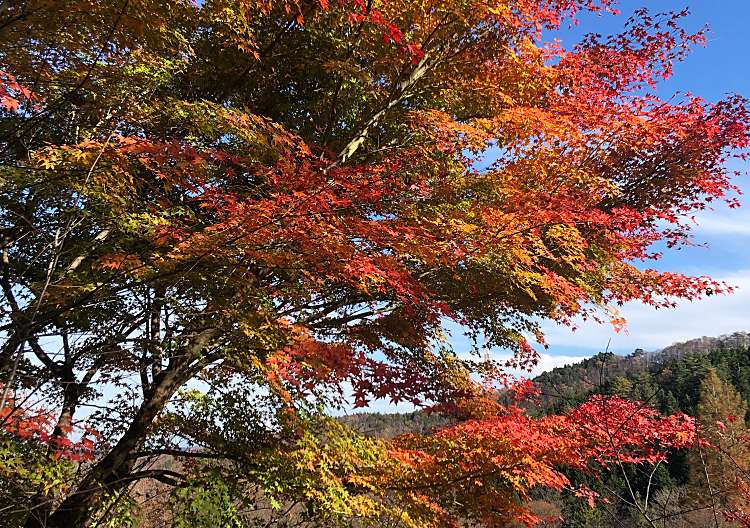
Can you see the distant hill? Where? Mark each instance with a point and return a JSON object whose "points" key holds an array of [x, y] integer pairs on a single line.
{"points": [[568, 385], [704, 345], [563, 387], [389, 425]]}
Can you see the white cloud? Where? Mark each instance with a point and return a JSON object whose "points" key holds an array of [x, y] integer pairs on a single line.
{"points": [[546, 362], [652, 329], [723, 225], [551, 361]]}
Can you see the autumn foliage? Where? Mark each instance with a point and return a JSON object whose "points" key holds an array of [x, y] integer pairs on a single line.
{"points": [[222, 220], [39, 427], [466, 461]]}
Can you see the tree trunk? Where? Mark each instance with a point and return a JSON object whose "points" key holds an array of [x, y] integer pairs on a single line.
{"points": [[110, 473]]}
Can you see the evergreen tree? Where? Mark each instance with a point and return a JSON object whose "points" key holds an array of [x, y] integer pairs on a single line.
{"points": [[620, 386], [714, 468]]}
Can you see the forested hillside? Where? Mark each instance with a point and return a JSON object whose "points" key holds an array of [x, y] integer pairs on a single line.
{"points": [[670, 377], [708, 378], [682, 377]]}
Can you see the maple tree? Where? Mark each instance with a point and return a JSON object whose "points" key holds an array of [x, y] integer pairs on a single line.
{"points": [[220, 219]]}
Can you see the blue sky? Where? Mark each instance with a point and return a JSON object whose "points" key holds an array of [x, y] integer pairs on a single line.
{"points": [[719, 68]]}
